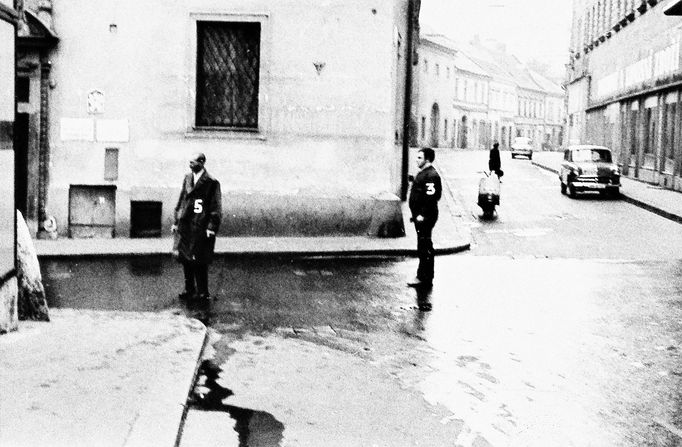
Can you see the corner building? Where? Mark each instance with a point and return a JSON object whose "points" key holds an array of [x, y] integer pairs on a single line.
{"points": [[297, 104], [624, 85]]}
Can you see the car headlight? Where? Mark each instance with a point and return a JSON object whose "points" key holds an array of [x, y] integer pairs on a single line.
{"points": [[615, 171]]}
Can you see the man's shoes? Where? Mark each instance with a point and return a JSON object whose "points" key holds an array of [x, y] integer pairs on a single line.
{"points": [[416, 282], [185, 296], [203, 297]]}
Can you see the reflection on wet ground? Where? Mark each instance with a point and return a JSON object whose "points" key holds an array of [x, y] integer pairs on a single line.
{"points": [[251, 294], [254, 428], [526, 351]]}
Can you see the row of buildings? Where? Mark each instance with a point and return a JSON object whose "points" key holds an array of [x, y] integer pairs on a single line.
{"points": [[624, 84], [469, 95]]}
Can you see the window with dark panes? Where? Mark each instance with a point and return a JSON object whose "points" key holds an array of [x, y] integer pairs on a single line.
{"points": [[228, 66]]}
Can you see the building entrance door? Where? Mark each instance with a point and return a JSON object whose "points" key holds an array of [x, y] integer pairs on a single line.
{"points": [[435, 121], [21, 163]]}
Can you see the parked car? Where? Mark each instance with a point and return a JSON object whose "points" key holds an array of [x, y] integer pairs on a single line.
{"points": [[589, 168], [522, 146]]}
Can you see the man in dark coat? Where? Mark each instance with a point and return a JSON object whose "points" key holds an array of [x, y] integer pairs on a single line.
{"points": [[197, 219], [424, 196], [494, 163]]}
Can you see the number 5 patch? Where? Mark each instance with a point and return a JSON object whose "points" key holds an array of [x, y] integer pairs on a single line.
{"points": [[198, 206], [430, 189]]}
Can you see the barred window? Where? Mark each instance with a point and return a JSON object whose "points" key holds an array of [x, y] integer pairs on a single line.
{"points": [[228, 66]]}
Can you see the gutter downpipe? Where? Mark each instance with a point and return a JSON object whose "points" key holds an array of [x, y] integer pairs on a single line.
{"points": [[412, 19]]}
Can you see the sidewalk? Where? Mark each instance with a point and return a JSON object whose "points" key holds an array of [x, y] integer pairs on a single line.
{"points": [[663, 202], [449, 236], [102, 379], [91, 378]]}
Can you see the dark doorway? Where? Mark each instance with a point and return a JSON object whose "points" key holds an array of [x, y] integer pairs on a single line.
{"points": [[21, 162], [435, 125], [145, 219], [463, 133]]}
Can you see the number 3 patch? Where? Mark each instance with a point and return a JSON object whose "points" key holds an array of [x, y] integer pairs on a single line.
{"points": [[430, 189], [198, 206]]}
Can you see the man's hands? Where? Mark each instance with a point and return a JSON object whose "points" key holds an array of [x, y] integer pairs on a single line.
{"points": [[209, 233], [419, 218]]}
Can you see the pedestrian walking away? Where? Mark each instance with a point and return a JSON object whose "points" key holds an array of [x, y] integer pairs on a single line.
{"points": [[197, 219], [424, 196], [494, 162]]}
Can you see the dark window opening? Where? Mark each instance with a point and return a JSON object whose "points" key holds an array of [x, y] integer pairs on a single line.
{"points": [[145, 219], [23, 89], [228, 67]]}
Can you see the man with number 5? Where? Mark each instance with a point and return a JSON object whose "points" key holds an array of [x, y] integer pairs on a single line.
{"points": [[424, 195], [197, 219]]}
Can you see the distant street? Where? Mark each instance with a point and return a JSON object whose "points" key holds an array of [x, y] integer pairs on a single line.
{"points": [[535, 219], [562, 326]]}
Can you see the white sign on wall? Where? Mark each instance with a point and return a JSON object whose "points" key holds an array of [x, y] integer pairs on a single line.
{"points": [[77, 129], [113, 131]]}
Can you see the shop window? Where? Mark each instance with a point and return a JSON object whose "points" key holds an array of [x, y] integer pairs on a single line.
{"points": [[634, 135], [228, 68], [669, 129], [650, 130]]}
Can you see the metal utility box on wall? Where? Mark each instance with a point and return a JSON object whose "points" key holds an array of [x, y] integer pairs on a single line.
{"points": [[92, 211]]}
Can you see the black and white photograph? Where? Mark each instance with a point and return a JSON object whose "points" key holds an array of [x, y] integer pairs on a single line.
{"points": [[341, 223]]}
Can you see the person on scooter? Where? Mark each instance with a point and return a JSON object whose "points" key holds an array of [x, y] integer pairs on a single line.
{"points": [[494, 163]]}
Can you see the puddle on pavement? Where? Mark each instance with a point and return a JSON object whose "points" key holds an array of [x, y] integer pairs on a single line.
{"points": [[254, 428]]}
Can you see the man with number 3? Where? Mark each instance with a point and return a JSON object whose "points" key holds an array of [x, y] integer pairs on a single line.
{"points": [[424, 195], [197, 219]]}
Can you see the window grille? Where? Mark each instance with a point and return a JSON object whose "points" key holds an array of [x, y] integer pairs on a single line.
{"points": [[228, 66]]}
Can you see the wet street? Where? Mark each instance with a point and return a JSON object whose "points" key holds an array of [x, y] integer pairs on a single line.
{"points": [[562, 326]]}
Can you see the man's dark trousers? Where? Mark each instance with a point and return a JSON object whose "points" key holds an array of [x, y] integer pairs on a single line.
{"points": [[196, 277], [425, 250]]}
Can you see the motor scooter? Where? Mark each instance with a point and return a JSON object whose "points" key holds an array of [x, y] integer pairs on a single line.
{"points": [[489, 194]]}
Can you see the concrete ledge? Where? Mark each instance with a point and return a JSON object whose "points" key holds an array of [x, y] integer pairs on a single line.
{"points": [[450, 236]]}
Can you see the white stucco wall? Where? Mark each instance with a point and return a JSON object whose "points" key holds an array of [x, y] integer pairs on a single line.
{"points": [[329, 134]]}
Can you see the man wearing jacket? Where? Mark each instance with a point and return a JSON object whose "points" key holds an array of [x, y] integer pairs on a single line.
{"points": [[424, 195], [197, 219]]}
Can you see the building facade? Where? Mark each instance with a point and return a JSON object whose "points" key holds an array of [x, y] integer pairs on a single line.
{"points": [[624, 83], [8, 273], [434, 82], [469, 95], [305, 134]]}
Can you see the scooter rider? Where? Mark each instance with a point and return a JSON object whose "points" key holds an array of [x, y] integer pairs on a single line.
{"points": [[424, 196]]}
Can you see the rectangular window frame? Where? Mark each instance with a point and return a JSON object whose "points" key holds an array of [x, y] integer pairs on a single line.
{"points": [[262, 130]]}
